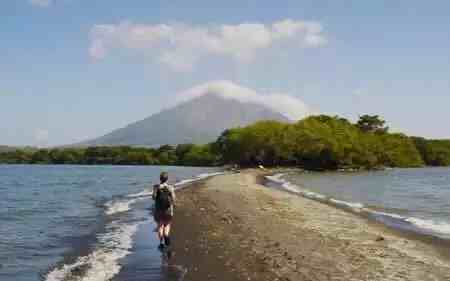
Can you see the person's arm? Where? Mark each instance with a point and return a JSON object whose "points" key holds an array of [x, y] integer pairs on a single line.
{"points": [[172, 192], [155, 189]]}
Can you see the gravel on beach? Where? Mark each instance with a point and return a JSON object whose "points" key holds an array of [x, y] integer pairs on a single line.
{"points": [[231, 227]]}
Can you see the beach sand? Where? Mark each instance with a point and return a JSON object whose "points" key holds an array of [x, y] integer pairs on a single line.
{"points": [[231, 227]]}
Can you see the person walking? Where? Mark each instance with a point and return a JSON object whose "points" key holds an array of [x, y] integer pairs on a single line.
{"points": [[164, 197]]}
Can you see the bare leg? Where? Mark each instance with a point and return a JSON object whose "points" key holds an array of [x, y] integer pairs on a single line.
{"points": [[167, 233], [160, 231], [167, 230]]}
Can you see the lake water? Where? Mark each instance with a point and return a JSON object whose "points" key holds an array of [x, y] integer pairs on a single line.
{"points": [[76, 222], [416, 200]]}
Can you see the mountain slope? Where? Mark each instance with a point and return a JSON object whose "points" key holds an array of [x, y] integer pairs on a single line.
{"points": [[200, 120]]}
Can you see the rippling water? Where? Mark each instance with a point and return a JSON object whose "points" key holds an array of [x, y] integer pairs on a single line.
{"points": [[67, 222], [412, 199]]}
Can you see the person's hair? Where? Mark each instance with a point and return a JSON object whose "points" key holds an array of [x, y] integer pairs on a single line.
{"points": [[164, 177]]}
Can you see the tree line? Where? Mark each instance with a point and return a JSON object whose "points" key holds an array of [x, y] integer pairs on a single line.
{"points": [[317, 142], [183, 154]]}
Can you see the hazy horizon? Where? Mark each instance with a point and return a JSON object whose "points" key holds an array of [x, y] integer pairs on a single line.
{"points": [[74, 70]]}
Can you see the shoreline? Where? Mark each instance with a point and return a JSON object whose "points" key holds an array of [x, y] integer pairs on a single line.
{"points": [[231, 227], [440, 244]]}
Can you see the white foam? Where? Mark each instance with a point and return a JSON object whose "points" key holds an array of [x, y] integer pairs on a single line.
{"points": [[118, 206], [144, 193], [277, 178], [186, 181], [314, 195], [208, 175], [438, 227], [352, 205], [395, 216], [290, 187], [103, 263], [197, 178]]}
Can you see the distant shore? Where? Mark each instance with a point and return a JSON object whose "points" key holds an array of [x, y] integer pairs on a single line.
{"points": [[231, 227]]}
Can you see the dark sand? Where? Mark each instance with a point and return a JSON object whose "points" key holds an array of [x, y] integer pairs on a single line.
{"points": [[232, 228]]}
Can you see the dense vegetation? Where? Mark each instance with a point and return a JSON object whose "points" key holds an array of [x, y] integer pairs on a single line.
{"points": [[434, 152], [4, 148], [317, 142], [185, 154]]}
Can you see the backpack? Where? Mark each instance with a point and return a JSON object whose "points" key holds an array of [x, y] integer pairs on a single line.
{"points": [[163, 198]]}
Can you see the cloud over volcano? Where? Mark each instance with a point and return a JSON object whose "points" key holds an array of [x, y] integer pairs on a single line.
{"points": [[289, 106]]}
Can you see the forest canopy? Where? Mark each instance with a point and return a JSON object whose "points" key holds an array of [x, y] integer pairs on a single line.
{"points": [[317, 142]]}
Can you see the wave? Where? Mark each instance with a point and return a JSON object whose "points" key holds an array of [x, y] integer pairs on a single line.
{"points": [[428, 226], [355, 206], [103, 263], [277, 178], [144, 193], [202, 176], [118, 206], [391, 215], [112, 245]]}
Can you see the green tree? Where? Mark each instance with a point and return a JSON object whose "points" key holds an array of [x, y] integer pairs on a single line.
{"points": [[41, 157], [200, 155], [372, 124], [181, 150]]}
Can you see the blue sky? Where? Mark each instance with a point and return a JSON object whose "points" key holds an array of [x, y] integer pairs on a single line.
{"points": [[76, 69]]}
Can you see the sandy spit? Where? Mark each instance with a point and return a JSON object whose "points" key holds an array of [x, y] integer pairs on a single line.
{"points": [[230, 227]]}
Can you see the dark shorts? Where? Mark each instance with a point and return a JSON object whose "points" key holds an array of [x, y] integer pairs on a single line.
{"points": [[162, 217]]}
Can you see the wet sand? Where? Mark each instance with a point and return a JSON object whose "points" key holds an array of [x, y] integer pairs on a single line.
{"points": [[231, 227]]}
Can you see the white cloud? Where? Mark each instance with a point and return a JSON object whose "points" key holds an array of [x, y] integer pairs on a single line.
{"points": [[41, 136], [289, 106], [180, 46], [41, 3]]}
